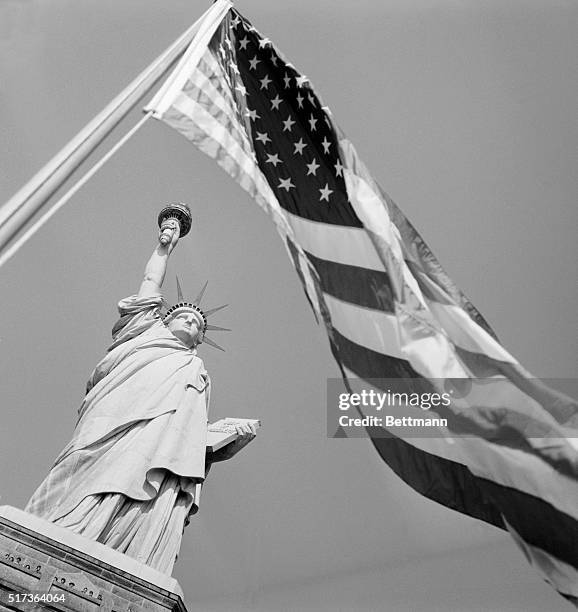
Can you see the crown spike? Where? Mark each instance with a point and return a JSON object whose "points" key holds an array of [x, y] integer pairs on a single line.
{"points": [[179, 292], [213, 310], [200, 296], [213, 344], [217, 328]]}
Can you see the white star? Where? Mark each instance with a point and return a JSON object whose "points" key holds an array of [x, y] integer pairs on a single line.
{"points": [[242, 89], [252, 114], [301, 80], [287, 124], [263, 137], [228, 43], [275, 102], [325, 193], [300, 99], [299, 146], [285, 184], [312, 123], [222, 52], [234, 67], [287, 80], [338, 168], [265, 82], [253, 63], [311, 100], [273, 159], [312, 167], [264, 42], [326, 144], [274, 60], [243, 43], [235, 22]]}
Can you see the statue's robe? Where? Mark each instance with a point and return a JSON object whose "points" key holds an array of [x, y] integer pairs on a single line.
{"points": [[132, 473]]}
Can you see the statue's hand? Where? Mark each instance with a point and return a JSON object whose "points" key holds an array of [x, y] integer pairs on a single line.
{"points": [[169, 233], [245, 433]]}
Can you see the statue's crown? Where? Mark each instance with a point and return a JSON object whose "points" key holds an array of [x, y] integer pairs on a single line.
{"points": [[202, 315]]}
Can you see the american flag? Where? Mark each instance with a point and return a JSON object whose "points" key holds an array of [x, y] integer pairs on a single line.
{"points": [[389, 308]]}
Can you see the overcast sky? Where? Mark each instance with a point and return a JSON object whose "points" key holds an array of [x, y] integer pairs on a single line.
{"points": [[465, 112]]}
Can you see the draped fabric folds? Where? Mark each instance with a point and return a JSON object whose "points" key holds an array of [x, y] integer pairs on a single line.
{"points": [[132, 472]]}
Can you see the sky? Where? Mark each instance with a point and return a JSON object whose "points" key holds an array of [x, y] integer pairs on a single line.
{"points": [[465, 114]]}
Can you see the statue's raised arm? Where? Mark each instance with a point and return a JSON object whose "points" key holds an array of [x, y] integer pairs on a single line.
{"points": [[157, 264], [175, 221]]}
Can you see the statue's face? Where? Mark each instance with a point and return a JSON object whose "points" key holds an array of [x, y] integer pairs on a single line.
{"points": [[186, 325]]}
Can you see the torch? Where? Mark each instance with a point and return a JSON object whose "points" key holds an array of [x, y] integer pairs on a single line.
{"points": [[178, 212]]}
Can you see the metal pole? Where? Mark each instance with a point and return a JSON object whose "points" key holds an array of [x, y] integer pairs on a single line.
{"points": [[12, 248]]}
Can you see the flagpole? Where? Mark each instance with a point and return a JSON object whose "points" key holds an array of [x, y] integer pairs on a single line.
{"points": [[15, 245], [26, 203]]}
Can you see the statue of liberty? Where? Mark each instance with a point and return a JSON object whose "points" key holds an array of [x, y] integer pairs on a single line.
{"points": [[132, 473]]}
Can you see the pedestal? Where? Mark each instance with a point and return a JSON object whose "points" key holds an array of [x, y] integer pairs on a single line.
{"points": [[74, 573]]}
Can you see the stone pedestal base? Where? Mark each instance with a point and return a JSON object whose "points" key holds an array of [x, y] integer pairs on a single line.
{"points": [[74, 573]]}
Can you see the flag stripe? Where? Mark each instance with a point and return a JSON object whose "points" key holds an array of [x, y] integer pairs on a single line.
{"points": [[566, 575], [463, 334], [558, 404], [558, 532], [210, 77], [374, 329], [366, 363], [430, 289], [354, 284], [232, 140], [199, 88], [346, 245], [186, 104], [446, 482], [210, 67], [453, 485]]}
